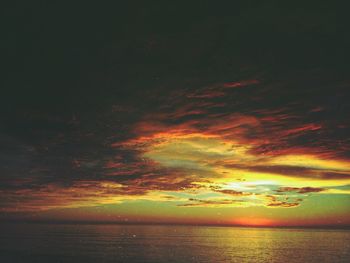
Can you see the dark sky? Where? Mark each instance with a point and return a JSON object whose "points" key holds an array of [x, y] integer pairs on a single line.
{"points": [[79, 77], [87, 56]]}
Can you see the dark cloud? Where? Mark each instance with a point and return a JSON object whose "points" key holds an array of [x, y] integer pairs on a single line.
{"points": [[283, 204], [301, 190]]}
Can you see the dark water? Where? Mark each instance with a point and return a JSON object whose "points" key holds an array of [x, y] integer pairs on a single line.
{"points": [[127, 243]]}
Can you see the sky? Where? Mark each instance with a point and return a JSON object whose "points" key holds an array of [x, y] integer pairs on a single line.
{"points": [[232, 113]]}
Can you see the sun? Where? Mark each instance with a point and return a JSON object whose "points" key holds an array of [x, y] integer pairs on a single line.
{"points": [[253, 221]]}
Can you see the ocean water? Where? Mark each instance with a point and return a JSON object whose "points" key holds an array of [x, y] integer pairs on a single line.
{"points": [[146, 243]]}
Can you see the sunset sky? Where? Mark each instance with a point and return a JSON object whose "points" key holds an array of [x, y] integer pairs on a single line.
{"points": [[198, 114]]}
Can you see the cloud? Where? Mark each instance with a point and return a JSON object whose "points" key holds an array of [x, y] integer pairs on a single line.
{"points": [[301, 190], [81, 194], [283, 204], [233, 192], [189, 140], [240, 83], [293, 171], [210, 203], [276, 201]]}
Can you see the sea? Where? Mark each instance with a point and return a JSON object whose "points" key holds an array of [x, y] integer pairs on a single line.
{"points": [[168, 243]]}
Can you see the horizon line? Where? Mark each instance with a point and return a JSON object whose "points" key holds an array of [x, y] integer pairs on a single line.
{"points": [[81, 222]]}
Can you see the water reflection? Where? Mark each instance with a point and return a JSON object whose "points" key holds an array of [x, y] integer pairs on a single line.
{"points": [[127, 243]]}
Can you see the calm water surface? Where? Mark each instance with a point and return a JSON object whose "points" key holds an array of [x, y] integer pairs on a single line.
{"points": [[128, 243]]}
